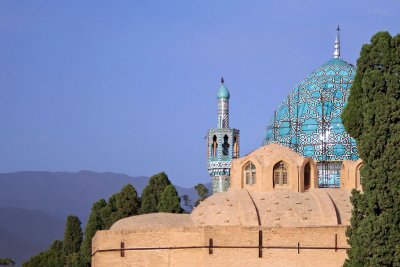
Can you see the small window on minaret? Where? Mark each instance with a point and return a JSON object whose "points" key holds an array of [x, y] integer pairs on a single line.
{"points": [[214, 147], [225, 146]]}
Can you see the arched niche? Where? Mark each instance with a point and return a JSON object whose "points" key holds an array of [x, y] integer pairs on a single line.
{"points": [[214, 146], [225, 146], [307, 176]]}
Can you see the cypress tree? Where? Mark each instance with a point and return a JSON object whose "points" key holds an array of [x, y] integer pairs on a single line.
{"points": [[126, 202], [73, 235], [152, 193], [74, 260], [372, 117], [121, 205], [170, 200], [108, 211], [94, 223]]}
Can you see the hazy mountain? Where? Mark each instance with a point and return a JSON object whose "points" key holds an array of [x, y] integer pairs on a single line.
{"points": [[34, 205], [63, 193], [24, 233]]}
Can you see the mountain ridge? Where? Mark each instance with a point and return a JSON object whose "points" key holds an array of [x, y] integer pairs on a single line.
{"points": [[35, 204]]}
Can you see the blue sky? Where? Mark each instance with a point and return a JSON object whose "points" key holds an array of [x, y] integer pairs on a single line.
{"points": [[130, 86]]}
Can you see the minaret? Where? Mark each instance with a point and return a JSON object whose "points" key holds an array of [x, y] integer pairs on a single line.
{"points": [[223, 144], [336, 53], [223, 106]]}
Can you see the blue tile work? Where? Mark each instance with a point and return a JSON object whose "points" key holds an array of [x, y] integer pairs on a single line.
{"points": [[222, 145], [308, 121], [220, 183], [219, 167]]}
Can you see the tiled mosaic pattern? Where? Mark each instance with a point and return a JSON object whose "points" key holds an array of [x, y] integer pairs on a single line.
{"points": [[310, 116]]}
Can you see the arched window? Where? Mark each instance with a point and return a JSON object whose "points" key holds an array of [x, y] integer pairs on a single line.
{"points": [[307, 178], [235, 147], [225, 146], [250, 173], [280, 174], [214, 147]]}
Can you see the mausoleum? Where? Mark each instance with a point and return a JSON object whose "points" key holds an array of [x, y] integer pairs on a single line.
{"points": [[286, 203]]}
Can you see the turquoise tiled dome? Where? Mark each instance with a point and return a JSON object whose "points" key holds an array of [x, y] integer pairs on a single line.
{"points": [[310, 116], [223, 92]]}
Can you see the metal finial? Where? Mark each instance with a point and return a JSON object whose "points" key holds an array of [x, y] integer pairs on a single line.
{"points": [[336, 53], [222, 79]]}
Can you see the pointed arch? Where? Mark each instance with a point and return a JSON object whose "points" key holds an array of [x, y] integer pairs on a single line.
{"points": [[235, 147], [214, 146], [225, 146], [307, 176]]}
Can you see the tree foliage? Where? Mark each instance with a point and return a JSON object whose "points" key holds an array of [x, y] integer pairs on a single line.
{"points": [[6, 262], [170, 200], [202, 191], [74, 260], [95, 222], [120, 205], [372, 117], [75, 252], [53, 257], [152, 193], [127, 203], [187, 202], [72, 235]]}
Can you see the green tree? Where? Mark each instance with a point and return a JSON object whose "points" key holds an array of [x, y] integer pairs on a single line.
{"points": [[121, 205], [72, 235], [94, 223], [187, 202], [53, 257], [6, 262], [74, 260], [202, 191], [170, 200], [372, 117], [108, 211], [126, 202], [74, 252], [152, 193]]}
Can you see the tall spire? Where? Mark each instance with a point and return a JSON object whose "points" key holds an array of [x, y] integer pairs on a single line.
{"points": [[336, 53], [223, 106]]}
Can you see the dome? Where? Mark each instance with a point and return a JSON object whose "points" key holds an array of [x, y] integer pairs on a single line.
{"points": [[308, 121], [241, 207], [319, 207], [152, 221], [223, 92]]}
